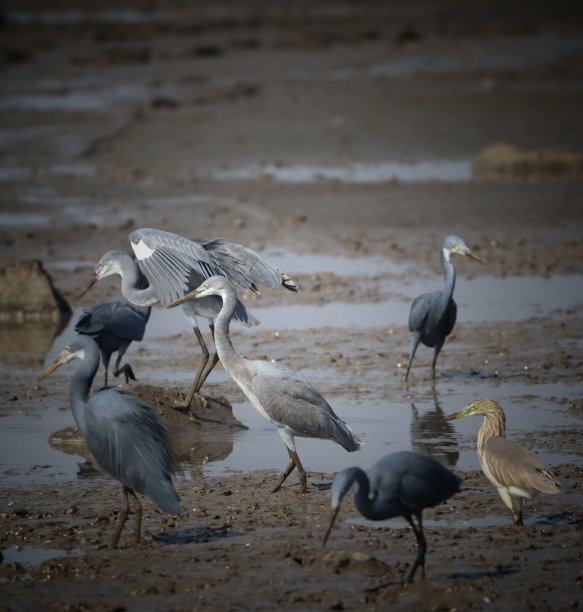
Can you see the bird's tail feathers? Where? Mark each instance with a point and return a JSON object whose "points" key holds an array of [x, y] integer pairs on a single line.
{"points": [[346, 437]]}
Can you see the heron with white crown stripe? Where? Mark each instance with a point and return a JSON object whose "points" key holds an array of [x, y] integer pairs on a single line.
{"points": [[174, 265]]}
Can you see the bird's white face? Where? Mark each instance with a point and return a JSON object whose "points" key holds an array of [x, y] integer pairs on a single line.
{"points": [[66, 355]]}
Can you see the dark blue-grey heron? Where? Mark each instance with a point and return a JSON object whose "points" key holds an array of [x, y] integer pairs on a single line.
{"points": [[512, 469], [400, 484], [114, 326], [123, 434], [433, 314], [174, 265], [284, 397]]}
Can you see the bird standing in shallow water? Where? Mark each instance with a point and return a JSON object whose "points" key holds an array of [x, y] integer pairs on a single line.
{"points": [[174, 265], [123, 434], [399, 484], [114, 326], [511, 468], [433, 314], [284, 397]]}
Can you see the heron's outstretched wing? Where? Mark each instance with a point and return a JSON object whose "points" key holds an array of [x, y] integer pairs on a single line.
{"points": [[169, 261], [289, 399], [514, 466], [245, 267]]}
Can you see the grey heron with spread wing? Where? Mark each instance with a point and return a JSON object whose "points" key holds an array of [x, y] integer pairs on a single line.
{"points": [[174, 265]]}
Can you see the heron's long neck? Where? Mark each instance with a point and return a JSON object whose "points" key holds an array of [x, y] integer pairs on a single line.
{"points": [[81, 385], [494, 425], [449, 277], [225, 349], [130, 278], [365, 504]]}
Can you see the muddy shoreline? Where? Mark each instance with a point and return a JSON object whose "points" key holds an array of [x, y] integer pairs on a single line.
{"points": [[126, 117]]}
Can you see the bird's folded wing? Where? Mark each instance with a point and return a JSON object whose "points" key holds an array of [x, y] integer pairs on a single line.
{"points": [[514, 466]]}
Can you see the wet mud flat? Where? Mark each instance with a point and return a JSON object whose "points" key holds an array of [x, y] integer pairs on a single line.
{"points": [[340, 141]]}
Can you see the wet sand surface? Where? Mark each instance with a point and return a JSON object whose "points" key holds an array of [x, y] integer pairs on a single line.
{"points": [[310, 133]]}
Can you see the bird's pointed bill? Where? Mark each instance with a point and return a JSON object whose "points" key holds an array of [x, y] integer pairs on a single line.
{"points": [[90, 284], [473, 256], [467, 411], [198, 292], [60, 360], [333, 516]]}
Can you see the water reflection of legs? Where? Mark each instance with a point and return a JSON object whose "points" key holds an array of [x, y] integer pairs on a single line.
{"points": [[432, 435]]}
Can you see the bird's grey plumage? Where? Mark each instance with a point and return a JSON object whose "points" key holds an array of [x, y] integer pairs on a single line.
{"points": [[512, 469], [174, 265], [399, 484], [281, 395], [432, 316], [114, 326], [122, 433]]}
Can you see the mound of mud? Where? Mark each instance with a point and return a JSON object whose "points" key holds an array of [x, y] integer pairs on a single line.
{"points": [[198, 435], [28, 294], [502, 161]]}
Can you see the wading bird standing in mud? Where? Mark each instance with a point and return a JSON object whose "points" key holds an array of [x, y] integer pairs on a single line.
{"points": [[512, 469], [433, 314], [124, 436], [114, 326], [174, 265], [399, 484], [284, 397]]}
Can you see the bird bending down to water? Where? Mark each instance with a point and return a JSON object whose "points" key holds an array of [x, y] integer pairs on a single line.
{"points": [[511, 468], [433, 314], [284, 397], [399, 484], [114, 326], [123, 434], [174, 265]]}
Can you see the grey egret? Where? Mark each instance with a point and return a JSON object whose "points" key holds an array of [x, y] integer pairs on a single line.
{"points": [[174, 265], [284, 397], [114, 326], [400, 484], [123, 434], [432, 315], [512, 469]]}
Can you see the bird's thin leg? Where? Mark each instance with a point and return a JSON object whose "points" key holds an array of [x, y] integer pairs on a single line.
{"points": [[213, 363], [138, 511], [435, 354], [421, 549], [126, 370], [414, 345], [105, 360], [195, 388], [123, 515]]}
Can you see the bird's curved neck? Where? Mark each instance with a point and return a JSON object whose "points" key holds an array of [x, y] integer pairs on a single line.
{"points": [[225, 349], [449, 278], [366, 504], [81, 384], [494, 425], [130, 277]]}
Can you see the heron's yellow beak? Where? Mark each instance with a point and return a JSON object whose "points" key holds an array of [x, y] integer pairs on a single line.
{"points": [[330, 524], [186, 298], [92, 282], [467, 411], [472, 255], [59, 361]]}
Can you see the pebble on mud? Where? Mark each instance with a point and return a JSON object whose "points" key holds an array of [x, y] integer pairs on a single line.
{"points": [[28, 294]]}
